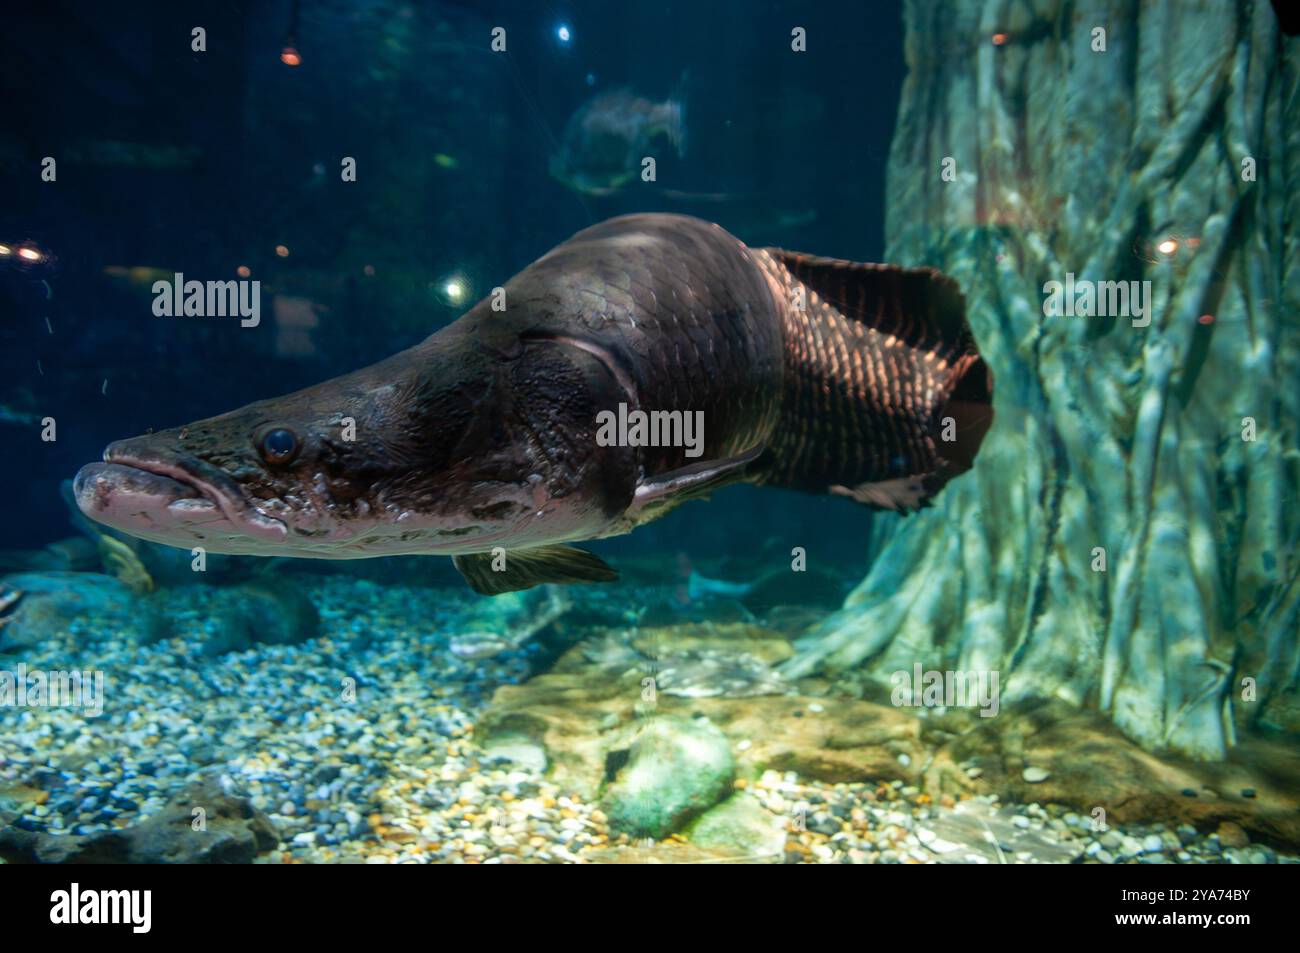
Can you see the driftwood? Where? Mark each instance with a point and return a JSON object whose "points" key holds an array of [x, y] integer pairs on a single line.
{"points": [[1109, 436]]}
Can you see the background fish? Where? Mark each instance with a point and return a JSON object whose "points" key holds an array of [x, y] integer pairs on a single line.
{"points": [[606, 139]]}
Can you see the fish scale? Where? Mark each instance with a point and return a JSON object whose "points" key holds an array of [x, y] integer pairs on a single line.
{"points": [[873, 358], [844, 393]]}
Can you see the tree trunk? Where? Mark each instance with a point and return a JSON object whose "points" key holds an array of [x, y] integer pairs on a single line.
{"points": [[1112, 440]]}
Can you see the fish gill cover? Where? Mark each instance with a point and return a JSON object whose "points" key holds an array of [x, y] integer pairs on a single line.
{"points": [[855, 433]]}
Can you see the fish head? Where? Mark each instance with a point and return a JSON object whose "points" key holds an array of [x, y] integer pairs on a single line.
{"points": [[447, 448], [602, 148], [309, 473]]}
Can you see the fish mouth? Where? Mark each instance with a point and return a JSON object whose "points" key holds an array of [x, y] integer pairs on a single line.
{"points": [[177, 500]]}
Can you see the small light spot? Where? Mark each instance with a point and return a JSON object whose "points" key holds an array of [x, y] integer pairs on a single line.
{"points": [[243, 271], [369, 271], [1167, 247], [999, 39], [289, 56], [1206, 319], [5, 250], [563, 33], [282, 251], [454, 289], [29, 254]]}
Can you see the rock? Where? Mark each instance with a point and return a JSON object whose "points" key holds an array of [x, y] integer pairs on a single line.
{"points": [[734, 638], [673, 769], [824, 824], [1092, 764], [976, 831], [741, 828], [234, 833], [519, 750], [1232, 835], [1035, 775], [48, 602], [271, 613], [506, 622], [571, 713], [711, 674]]}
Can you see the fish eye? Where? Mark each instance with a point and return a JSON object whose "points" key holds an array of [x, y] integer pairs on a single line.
{"points": [[279, 446]]}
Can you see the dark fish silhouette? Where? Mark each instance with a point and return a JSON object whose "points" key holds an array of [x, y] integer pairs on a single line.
{"points": [[482, 441], [606, 139]]}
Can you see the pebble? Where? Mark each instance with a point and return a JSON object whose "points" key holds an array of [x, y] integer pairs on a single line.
{"points": [[394, 775]]}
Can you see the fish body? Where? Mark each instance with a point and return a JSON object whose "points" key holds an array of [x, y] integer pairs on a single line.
{"points": [[701, 587], [605, 140], [489, 440], [480, 644]]}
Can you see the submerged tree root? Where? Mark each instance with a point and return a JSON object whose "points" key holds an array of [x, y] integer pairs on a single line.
{"points": [[1124, 541]]}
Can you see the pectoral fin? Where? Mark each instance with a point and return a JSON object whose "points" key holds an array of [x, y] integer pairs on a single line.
{"points": [[693, 481], [525, 568]]}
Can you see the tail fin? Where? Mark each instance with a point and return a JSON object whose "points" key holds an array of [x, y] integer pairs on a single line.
{"points": [[886, 397]]}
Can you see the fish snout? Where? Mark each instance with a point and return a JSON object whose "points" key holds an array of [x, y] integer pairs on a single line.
{"points": [[143, 479]]}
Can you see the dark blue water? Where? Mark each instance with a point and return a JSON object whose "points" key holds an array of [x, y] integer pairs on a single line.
{"points": [[452, 144]]}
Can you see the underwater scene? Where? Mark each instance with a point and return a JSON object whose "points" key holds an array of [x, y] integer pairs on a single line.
{"points": [[747, 431]]}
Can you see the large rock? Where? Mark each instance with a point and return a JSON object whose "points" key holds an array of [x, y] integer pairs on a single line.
{"points": [[262, 612], [576, 713], [674, 769], [234, 833], [1090, 764], [48, 602], [741, 829], [574, 716]]}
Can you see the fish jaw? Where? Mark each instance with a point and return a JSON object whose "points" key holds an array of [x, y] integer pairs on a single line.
{"points": [[162, 503], [166, 502], [180, 501]]}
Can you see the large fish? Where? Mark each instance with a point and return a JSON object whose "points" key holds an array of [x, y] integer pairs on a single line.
{"points": [[491, 441]]}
